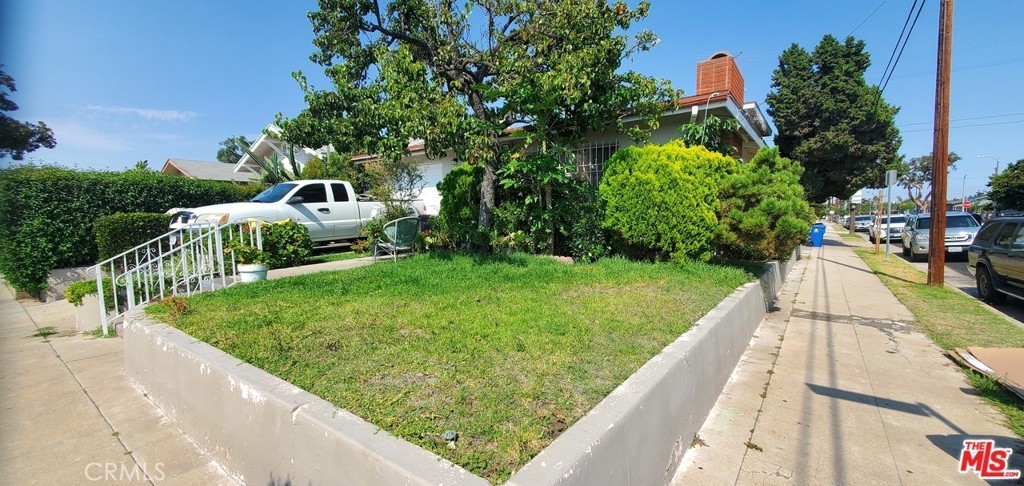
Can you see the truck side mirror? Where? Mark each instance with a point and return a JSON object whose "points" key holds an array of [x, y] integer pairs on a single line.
{"points": [[295, 200]]}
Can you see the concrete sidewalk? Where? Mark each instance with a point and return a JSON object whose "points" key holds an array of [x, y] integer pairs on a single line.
{"points": [[68, 414], [838, 387]]}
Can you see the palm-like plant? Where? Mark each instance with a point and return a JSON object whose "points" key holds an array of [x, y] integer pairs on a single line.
{"points": [[273, 169]]}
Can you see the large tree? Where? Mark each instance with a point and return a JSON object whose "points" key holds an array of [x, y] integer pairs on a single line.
{"points": [[18, 138], [917, 174], [230, 151], [830, 120], [460, 74], [1008, 187]]}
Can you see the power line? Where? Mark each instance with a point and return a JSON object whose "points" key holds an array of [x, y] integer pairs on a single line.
{"points": [[967, 126], [905, 41], [900, 39], [965, 119], [866, 19]]}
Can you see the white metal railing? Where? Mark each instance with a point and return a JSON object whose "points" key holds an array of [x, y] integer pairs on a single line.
{"points": [[183, 261]]}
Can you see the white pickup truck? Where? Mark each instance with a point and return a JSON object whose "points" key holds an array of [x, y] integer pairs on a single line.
{"points": [[330, 209]]}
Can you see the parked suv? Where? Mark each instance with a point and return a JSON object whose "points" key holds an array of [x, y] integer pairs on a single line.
{"points": [[890, 229], [863, 223], [960, 231], [996, 259]]}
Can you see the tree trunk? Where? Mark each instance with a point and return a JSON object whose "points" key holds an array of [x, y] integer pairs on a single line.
{"points": [[487, 195]]}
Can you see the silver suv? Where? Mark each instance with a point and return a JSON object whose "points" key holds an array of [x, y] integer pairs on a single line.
{"points": [[890, 229], [961, 228]]}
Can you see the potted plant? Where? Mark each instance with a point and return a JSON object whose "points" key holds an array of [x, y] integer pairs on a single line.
{"points": [[253, 263]]}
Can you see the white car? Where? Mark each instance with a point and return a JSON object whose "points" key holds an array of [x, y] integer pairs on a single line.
{"points": [[863, 222], [890, 229], [329, 209]]}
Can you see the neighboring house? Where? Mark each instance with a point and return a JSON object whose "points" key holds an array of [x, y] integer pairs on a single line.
{"points": [[720, 91], [207, 171], [267, 145]]}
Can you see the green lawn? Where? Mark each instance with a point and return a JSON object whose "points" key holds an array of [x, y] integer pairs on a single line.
{"points": [[506, 351], [954, 320]]}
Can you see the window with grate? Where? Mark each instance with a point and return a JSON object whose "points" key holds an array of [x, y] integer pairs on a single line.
{"points": [[590, 160]]}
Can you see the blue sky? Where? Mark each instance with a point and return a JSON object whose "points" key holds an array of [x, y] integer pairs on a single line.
{"points": [[124, 81]]}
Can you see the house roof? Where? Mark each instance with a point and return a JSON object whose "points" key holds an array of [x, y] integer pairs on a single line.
{"points": [[207, 171]]}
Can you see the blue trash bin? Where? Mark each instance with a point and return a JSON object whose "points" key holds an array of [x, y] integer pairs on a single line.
{"points": [[817, 234]]}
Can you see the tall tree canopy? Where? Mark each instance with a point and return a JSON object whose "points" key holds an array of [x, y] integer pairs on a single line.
{"points": [[830, 120], [230, 151], [460, 74], [917, 174], [1008, 187], [18, 138]]}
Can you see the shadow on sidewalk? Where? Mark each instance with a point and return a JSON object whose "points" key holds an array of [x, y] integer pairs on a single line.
{"points": [[951, 444]]}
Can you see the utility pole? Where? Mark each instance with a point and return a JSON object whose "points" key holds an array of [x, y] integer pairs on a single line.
{"points": [[940, 148]]}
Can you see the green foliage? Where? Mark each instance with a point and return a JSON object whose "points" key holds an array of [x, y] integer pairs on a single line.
{"points": [[410, 70], [121, 232], [315, 169], [47, 213], [662, 200], [764, 214], [17, 138], [587, 240], [230, 151], [342, 168], [460, 204], [712, 133], [246, 254], [286, 243], [830, 120], [1008, 187], [395, 183], [916, 175], [76, 291], [273, 169], [539, 184]]}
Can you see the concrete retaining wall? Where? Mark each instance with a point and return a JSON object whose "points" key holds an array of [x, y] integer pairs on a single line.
{"points": [[263, 429], [267, 431]]}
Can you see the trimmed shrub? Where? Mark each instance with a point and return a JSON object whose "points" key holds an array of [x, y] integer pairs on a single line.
{"points": [[121, 232], [287, 243], [315, 169], [587, 240], [47, 213], [460, 204], [764, 214], [662, 200]]}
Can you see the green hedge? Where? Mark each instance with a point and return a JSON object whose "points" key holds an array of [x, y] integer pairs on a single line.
{"points": [[764, 213], [662, 200], [460, 204], [47, 213], [121, 232]]}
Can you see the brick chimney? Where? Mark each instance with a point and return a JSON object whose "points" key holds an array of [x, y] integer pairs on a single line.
{"points": [[720, 73]]}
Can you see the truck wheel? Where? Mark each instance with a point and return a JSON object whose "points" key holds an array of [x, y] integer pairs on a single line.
{"points": [[906, 251], [986, 288]]}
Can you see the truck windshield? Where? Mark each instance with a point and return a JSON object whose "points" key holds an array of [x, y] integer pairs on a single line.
{"points": [[274, 193], [954, 221]]}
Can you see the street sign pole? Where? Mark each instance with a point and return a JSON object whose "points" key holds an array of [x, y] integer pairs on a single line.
{"points": [[890, 179]]}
